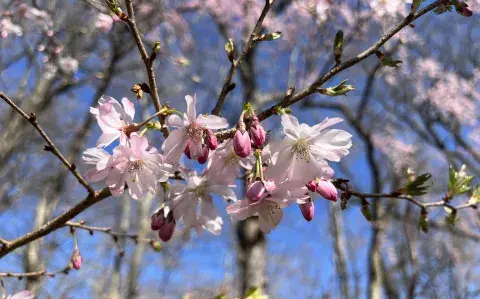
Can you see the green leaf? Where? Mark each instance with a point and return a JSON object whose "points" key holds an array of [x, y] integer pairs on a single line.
{"points": [[366, 211], [475, 198], [423, 222], [338, 46], [339, 90], [270, 36], [230, 49], [254, 293], [417, 185], [415, 6]]}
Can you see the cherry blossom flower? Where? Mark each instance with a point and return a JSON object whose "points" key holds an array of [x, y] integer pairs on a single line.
{"points": [[113, 119], [21, 295], [190, 132], [68, 65], [269, 207], [224, 164], [104, 22], [140, 166], [40, 17], [197, 190], [7, 28], [103, 161], [302, 154]]}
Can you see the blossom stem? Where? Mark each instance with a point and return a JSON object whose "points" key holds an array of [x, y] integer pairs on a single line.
{"points": [[161, 111]]}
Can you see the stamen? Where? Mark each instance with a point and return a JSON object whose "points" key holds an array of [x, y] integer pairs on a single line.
{"points": [[301, 149], [194, 132]]}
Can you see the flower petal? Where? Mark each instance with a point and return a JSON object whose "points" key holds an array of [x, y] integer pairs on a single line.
{"points": [[107, 138], [174, 121], [212, 122], [191, 112], [129, 108]]}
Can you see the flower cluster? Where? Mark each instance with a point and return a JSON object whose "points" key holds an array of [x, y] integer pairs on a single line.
{"points": [[281, 173]]}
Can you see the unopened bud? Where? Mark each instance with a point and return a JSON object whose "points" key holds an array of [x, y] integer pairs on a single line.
{"points": [[204, 156], [257, 132], [166, 231], [462, 8], [255, 191], [312, 186], [76, 259], [327, 190], [158, 219], [211, 140], [186, 151], [241, 141], [308, 210], [339, 90]]}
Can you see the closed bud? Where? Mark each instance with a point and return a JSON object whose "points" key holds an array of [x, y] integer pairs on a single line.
{"points": [[312, 186], [158, 219], [255, 191], [211, 140], [166, 231], [186, 151], [327, 190], [308, 210], [257, 132], [204, 156], [241, 141], [462, 8], [76, 259]]}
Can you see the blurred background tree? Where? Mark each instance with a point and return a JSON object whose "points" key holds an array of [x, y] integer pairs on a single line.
{"points": [[59, 57]]}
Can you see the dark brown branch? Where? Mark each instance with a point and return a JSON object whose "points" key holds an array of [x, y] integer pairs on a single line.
{"points": [[51, 146], [43, 272], [56, 223]]}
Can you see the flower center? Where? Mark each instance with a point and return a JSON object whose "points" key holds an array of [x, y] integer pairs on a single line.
{"points": [[201, 191], [301, 149], [194, 132], [232, 159], [135, 167]]}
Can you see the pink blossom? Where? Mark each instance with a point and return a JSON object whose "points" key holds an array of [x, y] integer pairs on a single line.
{"points": [[189, 132], [138, 165], [327, 190], [211, 140], [241, 141], [21, 295], [224, 164], [308, 210], [302, 154], [113, 119], [203, 158], [257, 132], [40, 17], [76, 259], [68, 64], [103, 161], [269, 207], [197, 190], [255, 191], [7, 28], [104, 22]]}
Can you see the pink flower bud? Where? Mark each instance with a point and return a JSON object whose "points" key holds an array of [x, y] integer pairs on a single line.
{"points": [[462, 9], [308, 210], [255, 191], [76, 259], [211, 140], [166, 231], [186, 151], [158, 219], [257, 132], [203, 158], [327, 190], [312, 186], [241, 142]]}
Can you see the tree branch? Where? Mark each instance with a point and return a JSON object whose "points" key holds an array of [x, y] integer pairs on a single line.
{"points": [[51, 146]]}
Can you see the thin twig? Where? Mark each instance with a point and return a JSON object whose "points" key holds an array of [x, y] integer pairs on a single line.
{"points": [[51, 146], [55, 223], [108, 230], [130, 20], [43, 272], [251, 41], [347, 64]]}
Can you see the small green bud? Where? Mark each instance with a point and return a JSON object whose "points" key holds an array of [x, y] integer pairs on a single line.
{"points": [[423, 221], [156, 246], [156, 47], [269, 36], [230, 49], [339, 90], [459, 182], [338, 46], [366, 211]]}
